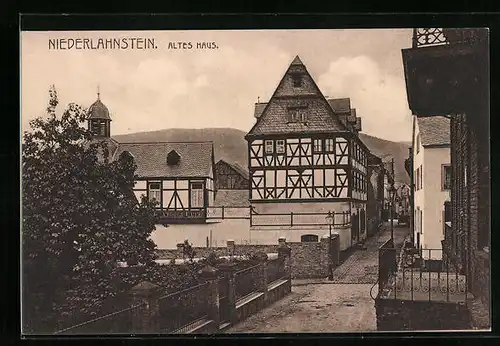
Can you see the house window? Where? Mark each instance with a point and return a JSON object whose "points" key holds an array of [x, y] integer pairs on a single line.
{"points": [[417, 141], [421, 176], [280, 146], [446, 177], [329, 145], [420, 218], [318, 145], [197, 195], [297, 81], [269, 147], [154, 191]]}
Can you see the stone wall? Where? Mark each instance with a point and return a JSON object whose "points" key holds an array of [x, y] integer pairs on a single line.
{"points": [[203, 252], [398, 315], [309, 259]]}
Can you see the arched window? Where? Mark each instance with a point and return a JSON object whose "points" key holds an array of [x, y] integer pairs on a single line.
{"points": [[309, 238]]}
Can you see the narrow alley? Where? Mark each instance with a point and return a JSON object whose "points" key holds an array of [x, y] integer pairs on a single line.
{"points": [[320, 305]]}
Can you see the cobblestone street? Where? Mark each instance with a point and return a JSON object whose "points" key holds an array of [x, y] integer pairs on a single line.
{"points": [[319, 305]]}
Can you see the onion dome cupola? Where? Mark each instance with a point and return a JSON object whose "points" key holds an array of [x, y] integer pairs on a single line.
{"points": [[99, 121]]}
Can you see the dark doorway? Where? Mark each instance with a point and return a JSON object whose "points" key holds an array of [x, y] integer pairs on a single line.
{"points": [[355, 227], [309, 238]]}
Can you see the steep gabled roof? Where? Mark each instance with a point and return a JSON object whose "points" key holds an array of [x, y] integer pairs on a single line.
{"points": [[274, 118], [434, 130], [151, 158]]}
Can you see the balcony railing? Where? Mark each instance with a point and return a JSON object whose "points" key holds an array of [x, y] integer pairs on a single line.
{"points": [[421, 274], [423, 37], [428, 37]]}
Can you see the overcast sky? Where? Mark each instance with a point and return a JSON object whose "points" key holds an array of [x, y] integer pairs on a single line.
{"points": [[156, 89]]}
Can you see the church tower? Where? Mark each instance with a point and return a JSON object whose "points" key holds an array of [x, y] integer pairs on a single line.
{"points": [[99, 121]]}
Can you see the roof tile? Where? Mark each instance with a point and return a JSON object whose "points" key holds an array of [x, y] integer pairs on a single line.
{"points": [[434, 130], [151, 158]]}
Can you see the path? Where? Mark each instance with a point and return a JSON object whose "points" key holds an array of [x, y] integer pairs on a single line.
{"points": [[319, 305]]}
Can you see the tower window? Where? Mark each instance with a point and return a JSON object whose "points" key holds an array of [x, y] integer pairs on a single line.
{"points": [[103, 128]]}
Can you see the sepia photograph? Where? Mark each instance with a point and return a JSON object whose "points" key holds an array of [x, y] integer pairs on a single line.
{"points": [[183, 182]]}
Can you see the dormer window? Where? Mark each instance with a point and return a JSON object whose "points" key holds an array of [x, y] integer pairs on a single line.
{"points": [[173, 158], [297, 80], [297, 115]]}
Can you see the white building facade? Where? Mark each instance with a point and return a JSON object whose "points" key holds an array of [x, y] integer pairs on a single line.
{"points": [[432, 182]]}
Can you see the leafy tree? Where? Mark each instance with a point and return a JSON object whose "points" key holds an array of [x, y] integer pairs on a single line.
{"points": [[79, 218]]}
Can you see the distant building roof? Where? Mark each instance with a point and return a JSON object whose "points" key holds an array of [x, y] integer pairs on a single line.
{"points": [[234, 198], [151, 158], [340, 105], [434, 130], [242, 171], [259, 108]]}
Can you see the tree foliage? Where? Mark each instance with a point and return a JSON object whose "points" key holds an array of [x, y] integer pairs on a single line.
{"points": [[79, 217]]}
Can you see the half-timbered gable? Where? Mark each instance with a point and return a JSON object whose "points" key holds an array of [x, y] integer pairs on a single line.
{"points": [[230, 176], [178, 176], [305, 156], [305, 147]]}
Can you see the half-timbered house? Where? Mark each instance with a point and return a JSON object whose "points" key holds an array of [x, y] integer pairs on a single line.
{"points": [[305, 155], [179, 176]]}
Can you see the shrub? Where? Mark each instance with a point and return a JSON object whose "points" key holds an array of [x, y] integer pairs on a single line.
{"points": [[188, 251], [212, 259]]}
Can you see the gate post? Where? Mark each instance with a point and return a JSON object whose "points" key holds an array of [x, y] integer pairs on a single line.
{"points": [[284, 252], [209, 273], [262, 278], [229, 270]]}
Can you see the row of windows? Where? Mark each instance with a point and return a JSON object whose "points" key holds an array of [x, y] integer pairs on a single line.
{"points": [[359, 154], [280, 146], [324, 145], [154, 190], [319, 146], [445, 177], [359, 182]]}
